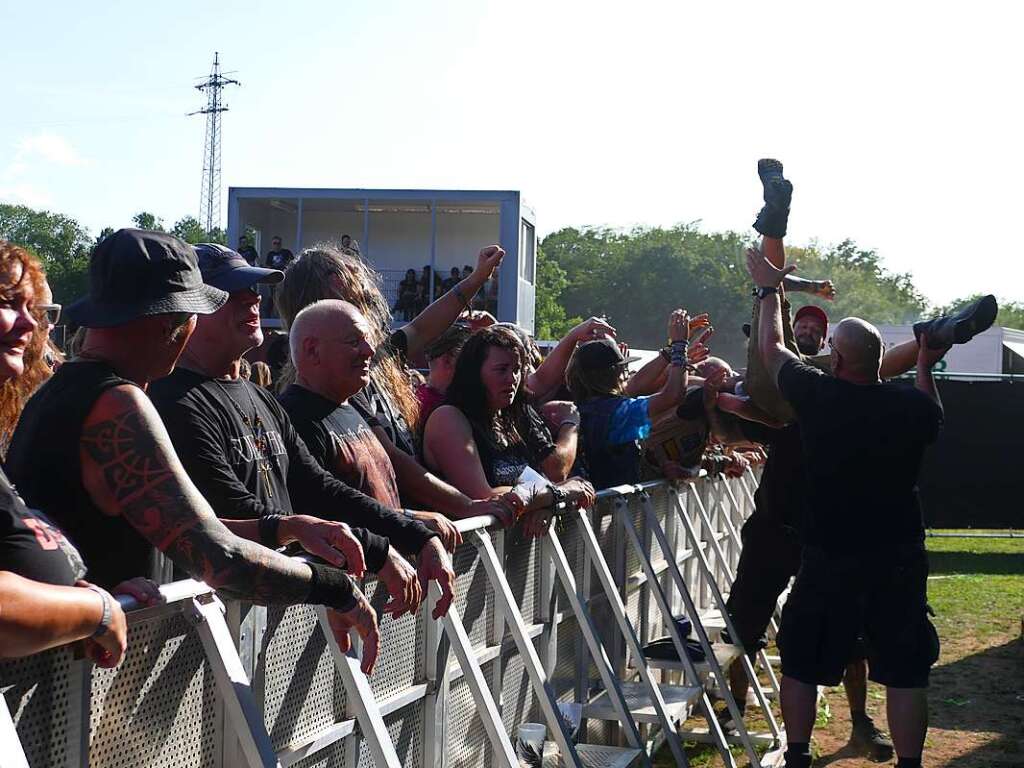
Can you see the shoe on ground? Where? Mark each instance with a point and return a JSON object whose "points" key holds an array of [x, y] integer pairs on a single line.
{"points": [[870, 742]]}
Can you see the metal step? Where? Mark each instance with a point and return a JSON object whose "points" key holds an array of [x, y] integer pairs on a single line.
{"points": [[726, 655], [704, 736], [593, 756], [678, 702]]}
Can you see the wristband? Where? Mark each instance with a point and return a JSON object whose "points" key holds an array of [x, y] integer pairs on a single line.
{"points": [[331, 587], [558, 496], [679, 350], [108, 613], [764, 290], [268, 526]]}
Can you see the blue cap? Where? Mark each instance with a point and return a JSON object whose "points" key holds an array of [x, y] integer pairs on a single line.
{"points": [[226, 269]]}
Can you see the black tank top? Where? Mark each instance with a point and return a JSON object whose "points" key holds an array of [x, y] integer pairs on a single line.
{"points": [[44, 464], [502, 465]]}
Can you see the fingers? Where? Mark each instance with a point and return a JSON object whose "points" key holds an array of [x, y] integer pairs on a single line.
{"points": [[371, 645], [446, 581], [350, 547], [144, 591]]}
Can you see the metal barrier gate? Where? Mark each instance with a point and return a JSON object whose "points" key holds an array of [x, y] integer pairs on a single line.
{"points": [[183, 695]]}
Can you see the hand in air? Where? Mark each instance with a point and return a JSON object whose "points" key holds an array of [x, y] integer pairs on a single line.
{"points": [[678, 326], [927, 357], [592, 328], [488, 261], [824, 289], [763, 272]]}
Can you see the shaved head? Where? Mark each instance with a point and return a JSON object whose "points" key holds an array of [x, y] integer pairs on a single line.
{"points": [[859, 344], [319, 319], [331, 349]]}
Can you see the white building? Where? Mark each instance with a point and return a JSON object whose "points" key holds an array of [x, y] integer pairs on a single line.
{"points": [[997, 350]]}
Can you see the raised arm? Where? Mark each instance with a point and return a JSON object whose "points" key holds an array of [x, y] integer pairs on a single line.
{"points": [[770, 339], [821, 288], [651, 377], [674, 390], [551, 372], [926, 359], [436, 318]]}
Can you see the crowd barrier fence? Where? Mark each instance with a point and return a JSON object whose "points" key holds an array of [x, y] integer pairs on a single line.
{"points": [[208, 683]]}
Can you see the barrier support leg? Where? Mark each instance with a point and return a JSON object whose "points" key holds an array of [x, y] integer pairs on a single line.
{"points": [[10, 744]]}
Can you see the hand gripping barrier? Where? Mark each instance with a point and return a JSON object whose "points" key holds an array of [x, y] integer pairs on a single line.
{"points": [[212, 683]]}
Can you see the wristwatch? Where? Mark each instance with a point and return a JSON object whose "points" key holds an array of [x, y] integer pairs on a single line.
{"points": [[558, 496], [764, 290], [108, 614]]}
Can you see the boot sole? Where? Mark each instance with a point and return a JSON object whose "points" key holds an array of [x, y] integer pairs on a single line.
{"points": [[979, 321]]}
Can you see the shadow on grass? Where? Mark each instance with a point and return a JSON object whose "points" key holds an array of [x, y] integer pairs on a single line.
{"points": [[1000, 563]]}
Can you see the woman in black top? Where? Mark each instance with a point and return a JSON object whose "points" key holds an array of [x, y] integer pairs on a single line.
{"points": [[408, 295], [43, 601], [481, 441]]}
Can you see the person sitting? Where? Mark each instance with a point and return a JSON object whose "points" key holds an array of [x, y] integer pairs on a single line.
{"points": [[612, 423], [92, 454], [331, 354], [453, 279], [441, 357], [480, 441], [244, 455], [388, 403]]}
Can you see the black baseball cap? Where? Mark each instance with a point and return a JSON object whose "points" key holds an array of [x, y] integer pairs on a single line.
{"points": [[228, 270], [137, 273], [599, 354]]}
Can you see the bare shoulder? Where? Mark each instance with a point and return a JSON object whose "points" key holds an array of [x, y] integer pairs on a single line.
{"points": [[447, 418]]}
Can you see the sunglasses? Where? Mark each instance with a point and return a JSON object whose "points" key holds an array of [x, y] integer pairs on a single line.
{"points": [[49, 311]]}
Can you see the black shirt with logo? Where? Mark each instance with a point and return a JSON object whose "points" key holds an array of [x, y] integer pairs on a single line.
{"points": [[279, 259], [31, 546], [44, 464], [250, 470], [862, 450]]}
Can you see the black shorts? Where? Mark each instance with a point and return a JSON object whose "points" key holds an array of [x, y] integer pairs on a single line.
{"points": [[835, 600], [769, 559]]}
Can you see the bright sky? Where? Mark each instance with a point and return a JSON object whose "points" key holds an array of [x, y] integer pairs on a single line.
{"points": [[900, 124]]}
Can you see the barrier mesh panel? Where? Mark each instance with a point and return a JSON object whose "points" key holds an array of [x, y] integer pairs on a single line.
{"points": [[466, 743], [44, 696], [569, 645], [474, 598], [518, 701], [521, 559], [159, 707], [301, 693], [334, 756], [400, 663], [405, 727]]}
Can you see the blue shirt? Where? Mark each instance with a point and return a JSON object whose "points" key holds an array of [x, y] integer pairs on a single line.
{"points": [[630, 421]]}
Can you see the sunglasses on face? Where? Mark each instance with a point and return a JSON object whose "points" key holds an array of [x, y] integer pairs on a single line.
{"points": [[51, 312]]}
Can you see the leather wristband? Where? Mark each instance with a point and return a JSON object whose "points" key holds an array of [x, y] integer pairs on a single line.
{"points": [[108, 611], [268, 526], [331, 587]]}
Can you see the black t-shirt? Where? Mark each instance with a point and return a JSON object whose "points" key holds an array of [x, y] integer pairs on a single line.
{"points": [[342, 442], [279, 259], [31, 546], [862, 448], [249, 254], [378, 409], [246, 473], [44, 464]]}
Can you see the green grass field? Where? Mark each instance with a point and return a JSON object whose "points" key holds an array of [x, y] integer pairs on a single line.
{"points": [[976, 588]]}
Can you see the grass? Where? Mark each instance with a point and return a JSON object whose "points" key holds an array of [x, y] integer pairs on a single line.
{"points": [[976, 589]]}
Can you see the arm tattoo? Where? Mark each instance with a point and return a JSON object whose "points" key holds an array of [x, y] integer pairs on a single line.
{"points": [[140, 485]]}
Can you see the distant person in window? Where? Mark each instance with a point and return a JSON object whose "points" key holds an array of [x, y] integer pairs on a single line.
{"points": [[348, 244], [278, 257], [247, 251], [451, 281], [466, 271], [408, 296]]}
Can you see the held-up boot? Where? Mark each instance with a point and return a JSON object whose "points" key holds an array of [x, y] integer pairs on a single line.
{"points": [[961, 327], [774, 216]]}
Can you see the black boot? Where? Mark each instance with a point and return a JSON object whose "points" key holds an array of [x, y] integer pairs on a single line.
{"points": [[960, 328], [774, 216]]}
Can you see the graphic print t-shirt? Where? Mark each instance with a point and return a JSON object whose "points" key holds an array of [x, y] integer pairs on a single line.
{"points": [[31, 546], [343, 443]]}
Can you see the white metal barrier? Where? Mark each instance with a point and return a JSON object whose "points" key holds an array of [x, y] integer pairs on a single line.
{"points": [[211, 684]]}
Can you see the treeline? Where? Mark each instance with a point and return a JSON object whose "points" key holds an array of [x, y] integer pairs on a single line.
{"points": [[64, 245], [635, 278]]}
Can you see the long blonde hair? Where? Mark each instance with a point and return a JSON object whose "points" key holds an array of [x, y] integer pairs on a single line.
{"points": [[325, 271]]}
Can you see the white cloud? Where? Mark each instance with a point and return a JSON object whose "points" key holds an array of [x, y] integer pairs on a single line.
{"points": [[50, 147]]}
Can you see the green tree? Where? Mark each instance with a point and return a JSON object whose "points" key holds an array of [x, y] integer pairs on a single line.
{"points": [[190, 230], [549, 315], [59, 241], [104, 234], [147, 220]]}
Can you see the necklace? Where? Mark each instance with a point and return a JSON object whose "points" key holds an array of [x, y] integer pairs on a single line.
{"points": [[259, 436]]}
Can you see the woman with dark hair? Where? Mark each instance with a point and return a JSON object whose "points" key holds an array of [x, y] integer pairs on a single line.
{"points": [[478, 440], [43, 601], [408, 295]]}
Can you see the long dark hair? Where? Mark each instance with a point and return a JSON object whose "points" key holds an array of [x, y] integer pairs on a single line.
{"points": [[468, 393]]}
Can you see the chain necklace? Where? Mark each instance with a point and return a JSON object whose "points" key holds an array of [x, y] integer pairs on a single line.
{"points": [[259, 436]]}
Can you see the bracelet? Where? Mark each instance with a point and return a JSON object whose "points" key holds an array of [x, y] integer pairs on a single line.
{"points": [[679, 350], [558, 496], [108, 613], [268, 526], [331, 587], [573, 422]]}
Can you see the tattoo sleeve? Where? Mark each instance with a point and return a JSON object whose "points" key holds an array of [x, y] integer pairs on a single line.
{"points": [[130, 469]]}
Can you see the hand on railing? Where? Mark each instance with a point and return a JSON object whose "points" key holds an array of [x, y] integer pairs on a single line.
{"points": [[403, 586], [107, 649], [326, 539], [445, 528], [143, 591], [363, 619], [435, 565]]}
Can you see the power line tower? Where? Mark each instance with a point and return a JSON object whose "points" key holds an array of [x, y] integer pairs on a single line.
{"points": [[209, 197]]}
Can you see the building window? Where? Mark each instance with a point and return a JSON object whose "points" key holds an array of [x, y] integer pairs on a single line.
{"points": [[527, 251]]}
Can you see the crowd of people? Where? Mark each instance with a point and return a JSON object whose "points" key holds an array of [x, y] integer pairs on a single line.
{"points": [[158, 436]]}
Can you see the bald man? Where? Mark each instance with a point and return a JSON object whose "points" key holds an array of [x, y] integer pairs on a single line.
{"points": [[863, 566], [331, 352]]}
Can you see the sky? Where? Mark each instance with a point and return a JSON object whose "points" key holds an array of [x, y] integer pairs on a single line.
{"points": [[900, 124]]}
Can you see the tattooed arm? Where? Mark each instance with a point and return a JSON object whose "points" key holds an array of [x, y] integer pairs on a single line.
{"points": [[129, 468]]}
